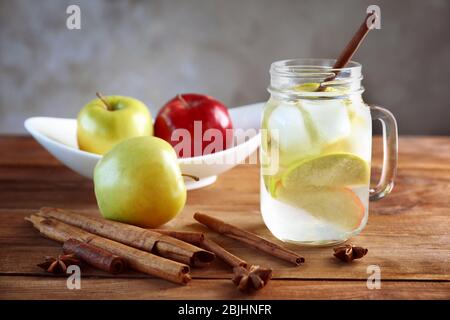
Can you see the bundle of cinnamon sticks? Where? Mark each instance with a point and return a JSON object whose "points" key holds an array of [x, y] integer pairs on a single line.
{"points": [[166, 254], [143, 250]]}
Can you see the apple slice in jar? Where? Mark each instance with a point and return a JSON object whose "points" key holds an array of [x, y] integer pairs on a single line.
{"points": [[336, 205], [336, 169], [320, 185]]}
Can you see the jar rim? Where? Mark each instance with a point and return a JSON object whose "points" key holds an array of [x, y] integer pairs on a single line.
{"points": [[286, 75], [312, 67]]}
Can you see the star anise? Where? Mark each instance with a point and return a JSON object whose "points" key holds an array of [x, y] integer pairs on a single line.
{"points": [[59, 264], [349, 252], [252, 279]]}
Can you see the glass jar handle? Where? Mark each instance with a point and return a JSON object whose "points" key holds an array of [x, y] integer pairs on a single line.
{"points": [[390, 148]]}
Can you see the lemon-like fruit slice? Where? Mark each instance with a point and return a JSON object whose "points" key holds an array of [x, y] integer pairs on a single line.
{"points": [[311, 87], [336, 169]]}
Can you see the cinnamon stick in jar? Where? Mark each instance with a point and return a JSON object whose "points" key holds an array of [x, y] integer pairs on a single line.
{"points": [[351, 47], [95, 256], [249, 238]]}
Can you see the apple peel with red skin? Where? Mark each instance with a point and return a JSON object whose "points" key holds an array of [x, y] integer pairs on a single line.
{"points": [[336, 205]]}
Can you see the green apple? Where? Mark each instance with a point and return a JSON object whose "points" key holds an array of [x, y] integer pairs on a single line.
{"points": [[139, 182], [104, 122]]}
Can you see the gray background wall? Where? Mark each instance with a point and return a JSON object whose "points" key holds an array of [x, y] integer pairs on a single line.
{"points": [[155, 49]]}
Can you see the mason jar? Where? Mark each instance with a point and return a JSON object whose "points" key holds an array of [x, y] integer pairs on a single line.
{"points": [[316, 143]]}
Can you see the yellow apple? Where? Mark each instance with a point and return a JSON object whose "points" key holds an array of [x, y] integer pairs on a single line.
{"points": [[140, 182], [105, 121]]}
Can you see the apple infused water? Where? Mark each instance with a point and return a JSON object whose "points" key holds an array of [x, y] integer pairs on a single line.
{"points": [[315, 157]]}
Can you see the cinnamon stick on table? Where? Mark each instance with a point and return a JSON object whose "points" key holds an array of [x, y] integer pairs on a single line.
{"points": [[246, 278], [136, 259], [95, 256], [249, 238], [223, 254], [200, 240], [187, 236], [140, 238]]}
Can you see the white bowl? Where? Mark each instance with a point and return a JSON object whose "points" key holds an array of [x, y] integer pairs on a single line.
{"points": [[59, 137]]}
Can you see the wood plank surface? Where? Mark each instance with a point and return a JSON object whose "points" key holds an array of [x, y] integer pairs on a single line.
{"points": [[407, 233], [21, 287]]}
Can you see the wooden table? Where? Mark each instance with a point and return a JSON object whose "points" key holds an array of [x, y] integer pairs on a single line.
{"points": [[408, 234]]}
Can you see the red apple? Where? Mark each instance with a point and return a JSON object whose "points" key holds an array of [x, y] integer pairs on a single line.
{"points": [[194, 124]]}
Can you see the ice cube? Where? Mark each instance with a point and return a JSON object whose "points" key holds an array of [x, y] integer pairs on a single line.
{"points": [[329, 117], [288, 129], [360, 139]]}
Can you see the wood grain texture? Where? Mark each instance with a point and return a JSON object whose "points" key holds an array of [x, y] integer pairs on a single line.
{"points": [[407, 233], [21, 287]]}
